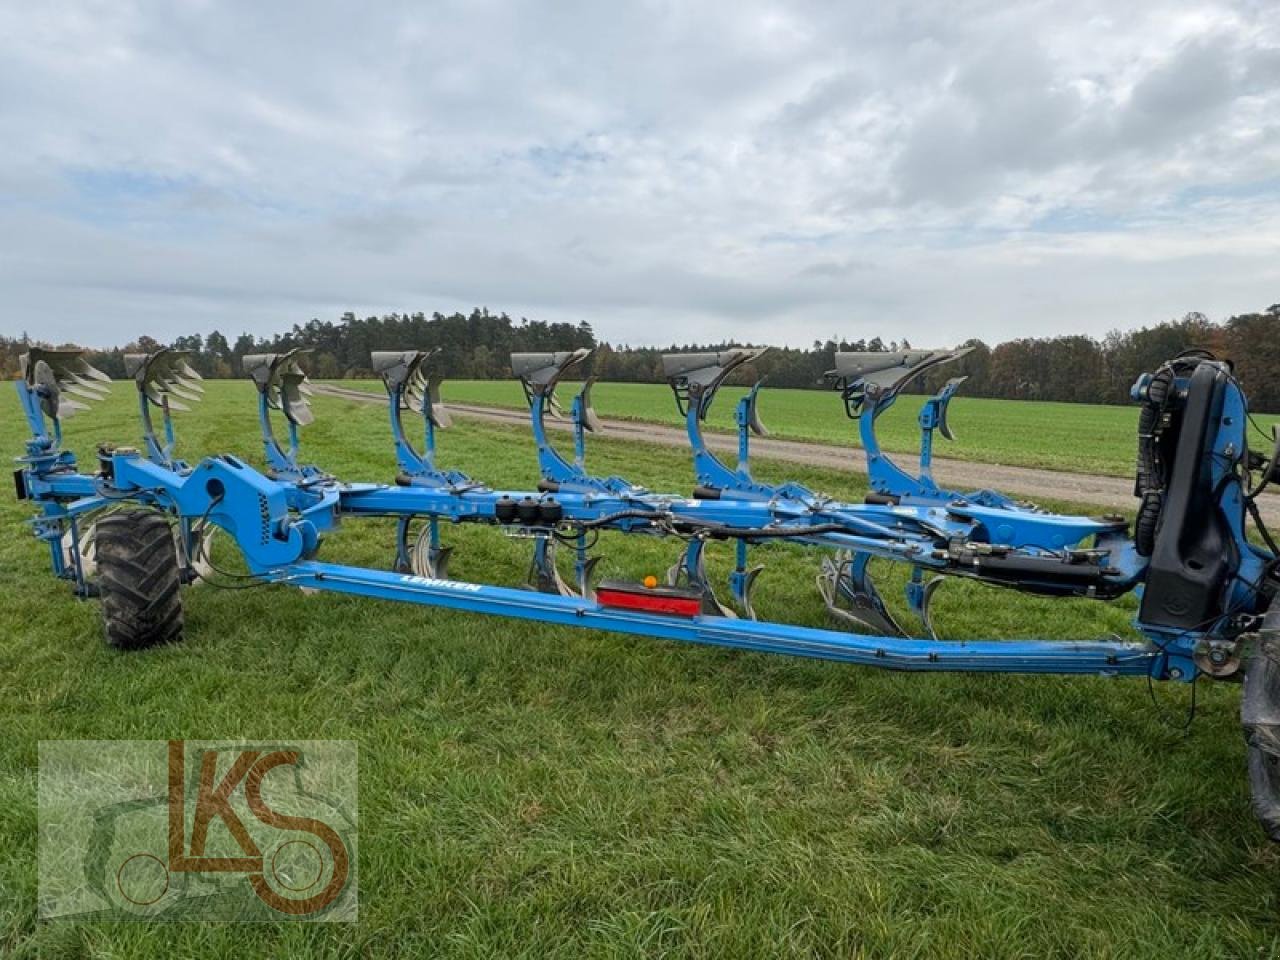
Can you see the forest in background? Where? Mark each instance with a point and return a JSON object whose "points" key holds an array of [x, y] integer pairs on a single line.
{"points": [[1072, 369]]}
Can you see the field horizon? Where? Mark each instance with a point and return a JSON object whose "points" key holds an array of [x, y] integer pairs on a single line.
{"points": [[1070, 437]]}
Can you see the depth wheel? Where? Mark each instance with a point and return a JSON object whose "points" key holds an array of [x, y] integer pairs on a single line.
{"points": [[138, 576]]}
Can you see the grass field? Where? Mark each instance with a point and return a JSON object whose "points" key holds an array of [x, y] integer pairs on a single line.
{"points": [[532, 791], [1081, 438]]}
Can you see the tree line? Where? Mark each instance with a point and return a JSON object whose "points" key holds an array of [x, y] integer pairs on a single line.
{"points": [[1072, 369]]}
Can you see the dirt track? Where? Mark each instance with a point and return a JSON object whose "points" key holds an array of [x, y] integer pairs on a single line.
{"points": [[1114, 493]]}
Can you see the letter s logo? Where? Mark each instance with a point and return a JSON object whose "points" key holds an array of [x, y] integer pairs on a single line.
{"points": [[322, 831]]}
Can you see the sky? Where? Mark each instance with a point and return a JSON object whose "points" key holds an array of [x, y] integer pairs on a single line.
{"points": [[667, 172]]}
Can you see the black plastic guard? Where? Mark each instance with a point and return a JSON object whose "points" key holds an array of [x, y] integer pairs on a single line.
{"points": [[1194, 555], [1260, 716]]}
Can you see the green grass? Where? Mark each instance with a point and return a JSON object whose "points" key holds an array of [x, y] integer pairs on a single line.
{"points": [[1081, 438], [533, 791]]}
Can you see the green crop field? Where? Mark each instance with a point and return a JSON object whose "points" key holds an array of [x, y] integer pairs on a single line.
{"points": [[1081, 438], [528, 791]]}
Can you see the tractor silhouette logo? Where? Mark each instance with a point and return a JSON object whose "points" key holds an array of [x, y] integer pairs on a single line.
{"points": [[235, 831]]}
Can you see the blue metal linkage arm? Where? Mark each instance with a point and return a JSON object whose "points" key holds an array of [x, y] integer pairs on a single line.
{"points": [[933, 416], [284, 461], [282, 384], [539, 373], [551, 465], [408, 387], [747, 421], [230, 494], [419, 467], [578, 414], [50, 479], [1103, 658], [44, 447], [885, 477], [160, 451], [713, 473], [695, 379], [30, 401], [162, 378], [869, 384]]}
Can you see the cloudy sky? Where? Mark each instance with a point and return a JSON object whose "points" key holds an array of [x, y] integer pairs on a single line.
{"points": [[665, 171]]}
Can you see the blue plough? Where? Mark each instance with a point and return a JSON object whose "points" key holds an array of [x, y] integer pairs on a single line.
{"points": [[1205, 586]]}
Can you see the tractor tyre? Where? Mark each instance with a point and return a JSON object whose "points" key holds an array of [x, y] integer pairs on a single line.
{"points": [[1260, 715], [139, 579]]}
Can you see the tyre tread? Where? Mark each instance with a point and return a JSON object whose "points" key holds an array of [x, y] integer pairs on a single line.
{"points": [[139, 580]]}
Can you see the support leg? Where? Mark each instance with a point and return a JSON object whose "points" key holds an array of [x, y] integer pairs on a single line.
{"points": [[543, 573], [851, 597], [920, 595], [583, 566], [742, 580], [691, 570]]}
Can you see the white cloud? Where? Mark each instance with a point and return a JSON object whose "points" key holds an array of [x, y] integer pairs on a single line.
{"points": [[776, 172]]}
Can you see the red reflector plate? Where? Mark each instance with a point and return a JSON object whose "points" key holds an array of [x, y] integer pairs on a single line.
{"points": [[621, 595]]}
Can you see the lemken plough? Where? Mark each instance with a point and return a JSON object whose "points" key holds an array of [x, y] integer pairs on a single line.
{"points": [[137, 527]]}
